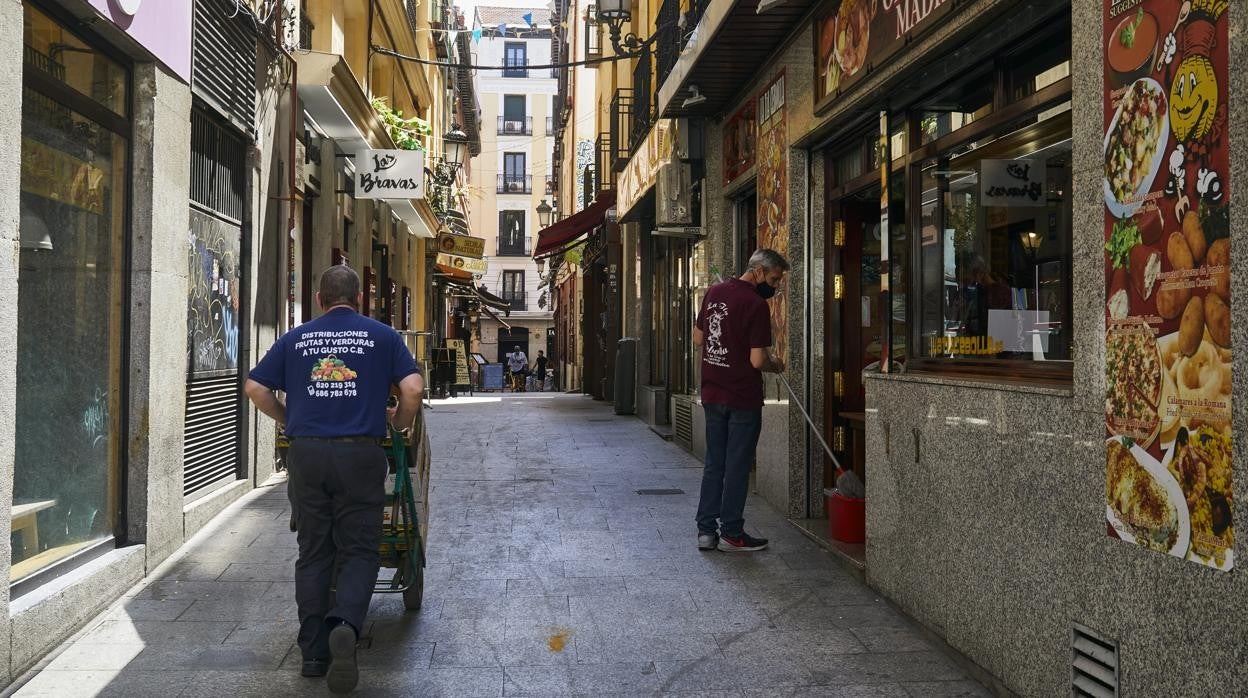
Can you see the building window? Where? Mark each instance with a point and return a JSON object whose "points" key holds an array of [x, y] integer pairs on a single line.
{"points": [[515, 178], [71, 300], [515, 120], [513, 289], [515, 60], [511, 239]]}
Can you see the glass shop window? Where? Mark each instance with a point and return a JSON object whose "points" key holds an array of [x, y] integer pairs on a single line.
{"points": [[70, 302], [995, 250]]}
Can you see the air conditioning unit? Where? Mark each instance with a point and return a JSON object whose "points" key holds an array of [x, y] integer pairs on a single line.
{"points": [[673, 195], [514, 187]]}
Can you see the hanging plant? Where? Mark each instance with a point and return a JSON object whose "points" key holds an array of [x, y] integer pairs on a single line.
{"points": [[408, 133]]}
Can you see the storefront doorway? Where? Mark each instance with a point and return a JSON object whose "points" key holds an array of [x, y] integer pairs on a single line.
{"points": [[509, 339]]}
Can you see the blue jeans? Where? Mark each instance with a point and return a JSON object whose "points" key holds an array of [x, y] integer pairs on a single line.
{"points": [[731, 437]]}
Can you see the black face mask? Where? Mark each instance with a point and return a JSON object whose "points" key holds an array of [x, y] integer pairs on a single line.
{"points": [[765, 290]]}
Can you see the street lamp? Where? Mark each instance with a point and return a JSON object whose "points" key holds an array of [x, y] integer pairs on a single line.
{"points": [[541, 265], [615, 13], [543, 213], [455, 147]]}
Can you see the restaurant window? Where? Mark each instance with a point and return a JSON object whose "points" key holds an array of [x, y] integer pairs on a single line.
{"points": [[995, 242], [71, 296]]}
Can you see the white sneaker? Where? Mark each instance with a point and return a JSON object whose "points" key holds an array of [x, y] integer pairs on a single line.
{"points": [[708, 541]]}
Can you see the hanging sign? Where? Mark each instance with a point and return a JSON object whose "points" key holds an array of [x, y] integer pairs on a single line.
{"points": [[462, 264], [461, 245], [390, 174], [1168, 349]]}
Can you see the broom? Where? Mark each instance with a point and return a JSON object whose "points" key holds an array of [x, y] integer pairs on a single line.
{"points": [[847, 483]]}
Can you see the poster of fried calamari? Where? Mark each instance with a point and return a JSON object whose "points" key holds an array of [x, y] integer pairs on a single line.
{"points": [[1167, 270]]}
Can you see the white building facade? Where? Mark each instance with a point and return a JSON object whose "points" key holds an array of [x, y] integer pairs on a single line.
{"points": [[514, 172]]}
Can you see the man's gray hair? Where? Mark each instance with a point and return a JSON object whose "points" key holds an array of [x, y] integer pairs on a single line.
{"points": [[767, 259]]}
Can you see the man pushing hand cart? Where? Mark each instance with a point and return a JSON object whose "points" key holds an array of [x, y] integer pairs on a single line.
{"points": [[337, 372]]}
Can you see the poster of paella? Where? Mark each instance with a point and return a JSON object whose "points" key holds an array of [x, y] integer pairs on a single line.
{"points": [[1167, 270], [773, 196], [854, 37]]}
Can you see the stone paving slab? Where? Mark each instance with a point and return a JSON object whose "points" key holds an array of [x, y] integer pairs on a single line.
{"points": [[548, 575]]}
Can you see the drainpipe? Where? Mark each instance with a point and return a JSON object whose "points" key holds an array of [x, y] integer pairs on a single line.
{"points": [[291, 143]]}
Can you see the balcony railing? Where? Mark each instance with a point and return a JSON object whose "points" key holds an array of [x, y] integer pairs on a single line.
{"points": [[668, 42], [513, 246], [516, 69], [305, 33], [516, 298], [604, 164], [550, 126], [515, 127], [515, 184], [643, 104], [550, 186], [621, 111]]}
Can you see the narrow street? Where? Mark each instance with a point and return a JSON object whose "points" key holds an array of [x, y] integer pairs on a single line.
{"points": [[552, 571]]}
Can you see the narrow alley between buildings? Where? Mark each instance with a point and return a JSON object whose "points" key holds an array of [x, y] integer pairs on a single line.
{"points": [[561, 561]]}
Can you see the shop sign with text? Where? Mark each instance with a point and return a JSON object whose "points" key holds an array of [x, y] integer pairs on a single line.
{"points": [[1166, 186], [773, 195], [855, 37], [390, 174], [462, 264], [643, 169], [1012, 183], [461, 245]]}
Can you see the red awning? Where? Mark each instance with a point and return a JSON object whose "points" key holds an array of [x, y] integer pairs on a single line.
{"points": [[562, 234]]}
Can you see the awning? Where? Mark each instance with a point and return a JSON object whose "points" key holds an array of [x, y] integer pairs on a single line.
{"points": [[497, 319], [486, 298], [556, 238]]}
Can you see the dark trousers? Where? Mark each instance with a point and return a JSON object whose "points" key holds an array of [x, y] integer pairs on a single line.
{"points": [[731, 437], [337, 490]]}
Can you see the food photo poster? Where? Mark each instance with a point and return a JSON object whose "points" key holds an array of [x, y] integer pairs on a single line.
{"points": [[1167, 272]]}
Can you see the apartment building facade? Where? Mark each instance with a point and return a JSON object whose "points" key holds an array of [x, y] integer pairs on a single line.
{"points": [[513, 175]]}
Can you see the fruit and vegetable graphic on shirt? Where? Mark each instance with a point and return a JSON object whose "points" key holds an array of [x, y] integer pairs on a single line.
{"points": [[332, 369]]}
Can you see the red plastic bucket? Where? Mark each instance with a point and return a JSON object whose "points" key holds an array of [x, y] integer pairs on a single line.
{"points": [[847, 518]]}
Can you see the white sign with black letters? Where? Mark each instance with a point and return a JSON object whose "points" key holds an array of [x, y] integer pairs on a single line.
{"points": [[1010, 183], [390, 174]]}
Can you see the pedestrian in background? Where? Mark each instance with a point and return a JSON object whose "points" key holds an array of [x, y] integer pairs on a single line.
{"points": [[336, 372], [539, 369], [518, 364], [734, 331]]}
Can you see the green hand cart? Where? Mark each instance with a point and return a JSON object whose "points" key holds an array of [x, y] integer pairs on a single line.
{"points": [[405, 516]]}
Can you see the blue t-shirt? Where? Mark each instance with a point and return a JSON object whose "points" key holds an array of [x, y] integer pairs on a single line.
{"points": [[336, 371]]}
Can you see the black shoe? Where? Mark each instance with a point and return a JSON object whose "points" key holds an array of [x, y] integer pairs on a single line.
{"points": [[315, 668], [743, 543], [344, 673]]}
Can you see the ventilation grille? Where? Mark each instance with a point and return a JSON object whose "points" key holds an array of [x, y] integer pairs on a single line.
{"points": [[1094, 664], [682, 423], [210, 452], [223, 63]]}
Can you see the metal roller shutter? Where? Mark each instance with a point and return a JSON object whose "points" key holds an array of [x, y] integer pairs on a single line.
{"points": [[210, 451]]}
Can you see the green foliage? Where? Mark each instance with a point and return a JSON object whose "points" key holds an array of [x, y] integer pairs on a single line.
{"points": [[407, 133], [572, 256]]}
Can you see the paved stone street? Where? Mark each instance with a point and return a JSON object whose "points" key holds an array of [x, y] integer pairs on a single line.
{"points": [[549, 574]]}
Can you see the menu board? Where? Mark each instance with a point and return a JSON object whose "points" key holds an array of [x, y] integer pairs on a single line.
{"points": [[462, 376], [1167, 271], [855, 37]]}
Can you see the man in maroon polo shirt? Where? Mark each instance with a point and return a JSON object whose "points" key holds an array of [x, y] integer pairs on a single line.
{"points": [[734, 331]]}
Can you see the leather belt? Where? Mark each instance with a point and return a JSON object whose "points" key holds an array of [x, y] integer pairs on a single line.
{"points": [[374, 440]]}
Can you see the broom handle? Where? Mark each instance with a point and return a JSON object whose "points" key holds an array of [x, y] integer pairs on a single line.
{"points": [[811, 422]]}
